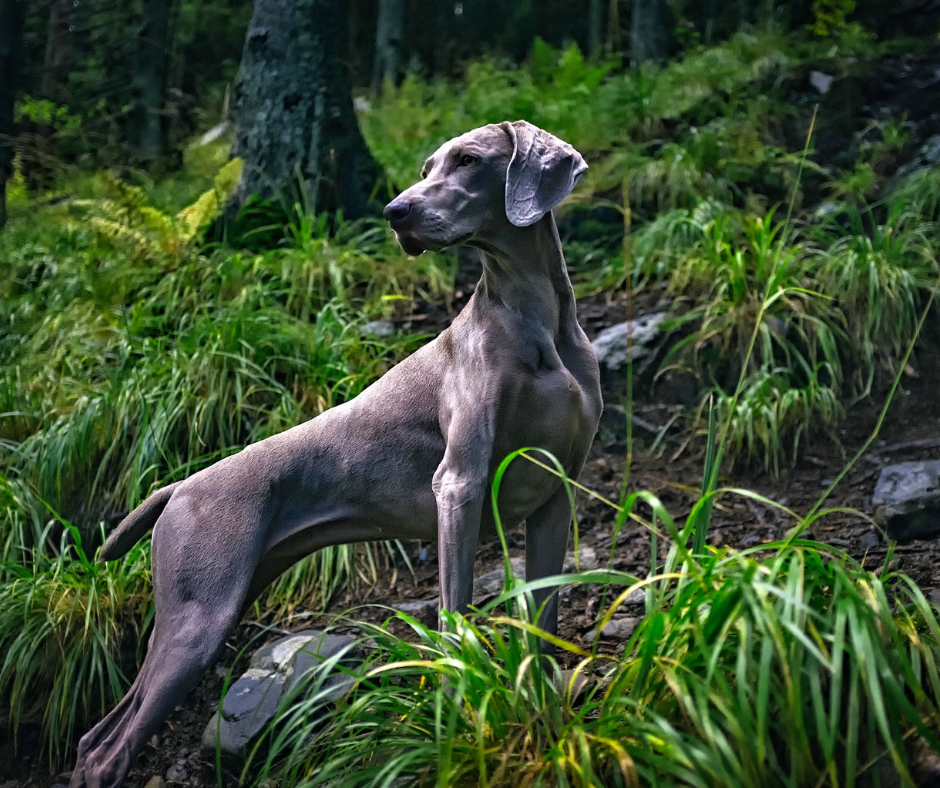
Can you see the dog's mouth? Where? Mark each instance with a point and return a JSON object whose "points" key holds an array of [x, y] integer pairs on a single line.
{"points": [[412, 245]]}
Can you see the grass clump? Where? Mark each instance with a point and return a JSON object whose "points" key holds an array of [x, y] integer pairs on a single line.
{"points": [[135, 354], [801, 668], [70, 629]]}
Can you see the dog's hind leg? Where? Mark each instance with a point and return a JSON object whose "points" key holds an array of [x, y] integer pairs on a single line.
{"points": [[175, 663], [194, 616]]}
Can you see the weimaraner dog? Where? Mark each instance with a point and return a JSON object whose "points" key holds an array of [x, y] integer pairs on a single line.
{"points": [[412, 457]]}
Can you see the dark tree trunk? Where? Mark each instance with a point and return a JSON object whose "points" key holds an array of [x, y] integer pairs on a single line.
{"points": [[595, 26], [55, 70], [144, 128], [12, 17], [294, 112], [388, 43], [651, 34]]}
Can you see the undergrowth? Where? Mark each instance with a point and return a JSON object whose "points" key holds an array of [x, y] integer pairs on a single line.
{"points": [[140, 342]]}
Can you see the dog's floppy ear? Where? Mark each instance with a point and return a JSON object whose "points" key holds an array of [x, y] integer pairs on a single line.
{"points": [[542, 172]]}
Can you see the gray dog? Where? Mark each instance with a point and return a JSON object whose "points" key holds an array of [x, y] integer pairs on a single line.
{"points": [[412, 457]]}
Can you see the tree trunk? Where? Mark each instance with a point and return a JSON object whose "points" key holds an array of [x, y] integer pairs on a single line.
{"points": [[595, 26], [388, 43], [651, 34], [12, 17], [55, 71], [294, 111], [144, 128]]}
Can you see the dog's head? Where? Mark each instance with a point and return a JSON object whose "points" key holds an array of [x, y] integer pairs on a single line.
{"points": [[507, 173]]}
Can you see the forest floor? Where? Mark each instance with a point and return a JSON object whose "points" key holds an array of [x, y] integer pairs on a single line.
{"points": [[911, 431]]}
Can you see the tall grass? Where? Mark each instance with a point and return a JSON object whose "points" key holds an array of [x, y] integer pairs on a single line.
{"points": [[135, 355], [792, 669], [791, 665], [70, 630]]}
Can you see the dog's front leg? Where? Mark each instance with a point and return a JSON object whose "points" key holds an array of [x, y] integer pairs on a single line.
{"points": [[461, 491], [459, 506]]}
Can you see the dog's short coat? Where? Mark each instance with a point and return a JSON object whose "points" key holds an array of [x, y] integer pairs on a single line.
{"points": [[412, 457]]}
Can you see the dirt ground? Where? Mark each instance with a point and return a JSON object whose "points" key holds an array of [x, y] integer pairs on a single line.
{"points": [[911, 431]]}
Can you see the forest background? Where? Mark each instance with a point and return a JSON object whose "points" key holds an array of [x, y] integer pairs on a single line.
{"points": [[192, 260]]}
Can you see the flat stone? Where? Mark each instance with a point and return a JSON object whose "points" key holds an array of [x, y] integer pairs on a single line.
{"points": [[491, 583], [907, 499], [870, 540], [418, 606], [155, 782], [636, 598], [610, 345], [587, 558], [276, 675], [618, 628]]}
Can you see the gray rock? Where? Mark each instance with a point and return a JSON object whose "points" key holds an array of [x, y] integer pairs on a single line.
{"points": [[610, 345], [907, 499], [618, 628], [275, 677], [176, 773], [821, 81], [418, 606], [636, 598], [491, 583], [587, 557], [870, 540]]}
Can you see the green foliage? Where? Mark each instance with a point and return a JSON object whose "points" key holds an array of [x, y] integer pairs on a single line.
{"points": [[46, 113], [129, 365], [801, 668], [124, 218], [588, 105], [746, 313], [831, 16], [877, 274], [70, 628]]}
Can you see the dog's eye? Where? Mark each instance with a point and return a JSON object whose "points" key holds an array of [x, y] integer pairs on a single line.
{"points": [[466, 160]]}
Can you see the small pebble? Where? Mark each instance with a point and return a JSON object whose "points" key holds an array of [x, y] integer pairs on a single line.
{"points": [[870, 540], [176, 773], [155, 782], [154, 741]]}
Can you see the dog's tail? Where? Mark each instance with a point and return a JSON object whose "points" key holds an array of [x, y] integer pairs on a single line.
{"points": [[136, 524]]}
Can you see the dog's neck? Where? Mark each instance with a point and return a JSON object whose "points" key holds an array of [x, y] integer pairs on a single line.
{"points": [[524, 270]]}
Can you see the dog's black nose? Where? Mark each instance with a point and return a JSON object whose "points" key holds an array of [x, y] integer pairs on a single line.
{"points": [[397, 210]]}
